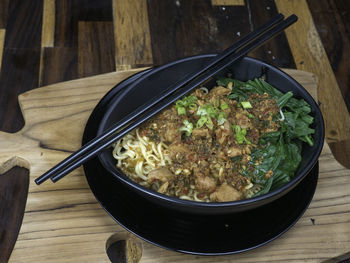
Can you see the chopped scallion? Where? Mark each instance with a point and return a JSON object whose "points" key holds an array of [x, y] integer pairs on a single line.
{"points": [[201, 121], [181, 111], [224, 106], [246, 105], [193, 106], [240, 134], [221, 118], [188, 128], [188, 101], [207, 112]]}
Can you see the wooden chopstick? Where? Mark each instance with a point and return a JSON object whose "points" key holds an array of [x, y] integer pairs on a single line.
{"points": [[177, 90]]}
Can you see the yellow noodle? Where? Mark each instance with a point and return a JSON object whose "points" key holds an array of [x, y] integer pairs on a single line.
{"points": [[147, 155]]}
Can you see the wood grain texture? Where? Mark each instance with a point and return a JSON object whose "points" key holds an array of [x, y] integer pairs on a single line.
{"points": [[19, 81], [66, 26], [23, 30], [332, 23], [227, 2], [276, 51], [47, 31], [124, 248], [19, 73], [48, 24], [64, 223], [341, 150], [92, 10], [310, 55], [132, 35], [21, 55], [70, 12], [13, 192], [3, 13], [78, 198], [2, 39], [95, 48], [58, 64], [215, 28]]}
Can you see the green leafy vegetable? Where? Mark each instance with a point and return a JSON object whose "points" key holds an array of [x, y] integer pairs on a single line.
{"points": [[225, 81], [236, 158], [251, 116], [280, 158], [238, 94], [276, 161], [281, 101]]}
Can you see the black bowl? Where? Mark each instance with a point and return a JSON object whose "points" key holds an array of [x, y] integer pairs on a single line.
{"points": [[157, 79]]}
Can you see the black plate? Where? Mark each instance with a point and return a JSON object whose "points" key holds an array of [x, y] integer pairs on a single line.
{"points": [[193, 234]]}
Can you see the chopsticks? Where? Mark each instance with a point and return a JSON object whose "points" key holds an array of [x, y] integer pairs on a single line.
{"points": [[170, 95]]}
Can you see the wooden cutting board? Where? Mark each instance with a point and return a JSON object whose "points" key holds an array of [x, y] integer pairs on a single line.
{"points": [[64, 223]]}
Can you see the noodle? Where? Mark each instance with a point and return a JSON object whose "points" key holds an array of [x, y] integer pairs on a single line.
{"points": [[140, 155]]}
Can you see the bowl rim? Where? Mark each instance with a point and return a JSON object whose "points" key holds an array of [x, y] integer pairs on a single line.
{"points": [[244, 202]]}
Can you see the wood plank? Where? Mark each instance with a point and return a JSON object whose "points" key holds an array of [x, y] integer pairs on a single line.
{"points": [[276, 51], [341, 151], [70, 12], [332, 23], [132, 34], [216, 28], [13, 195], [3, 13], [48, 24], [310, 56], [59, 64], [2, 40], [47, 31], [95, 48], [193, 27], [20, 56], [66, 26], [227, 2], [92, 10], [24, 30], [27, 60]]}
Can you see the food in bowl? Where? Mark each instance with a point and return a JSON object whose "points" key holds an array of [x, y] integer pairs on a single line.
{"points": [[232, 142]]}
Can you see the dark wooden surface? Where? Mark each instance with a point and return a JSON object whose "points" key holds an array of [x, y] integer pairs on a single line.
{"points": [[84, 44], [13, 195], [332, 20]]}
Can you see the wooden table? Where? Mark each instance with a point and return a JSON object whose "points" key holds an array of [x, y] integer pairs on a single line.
{"points": [[45, 41]]}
